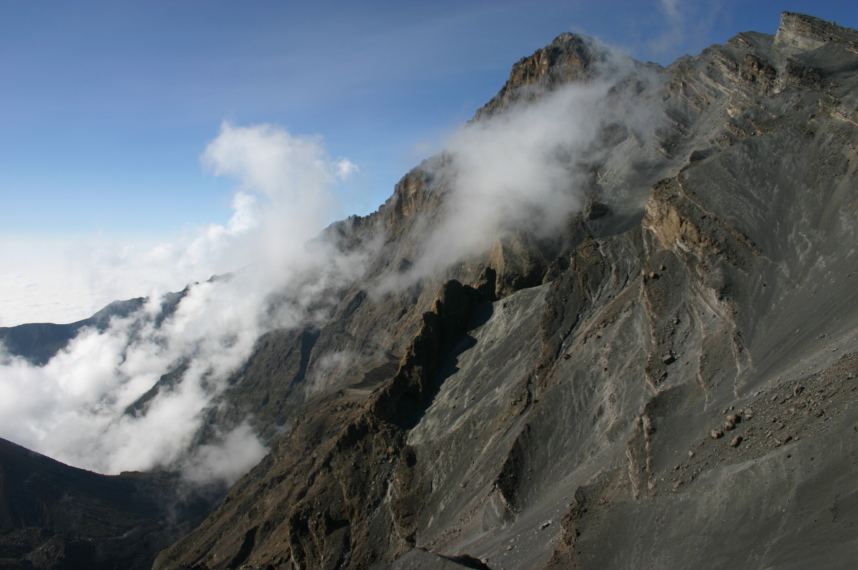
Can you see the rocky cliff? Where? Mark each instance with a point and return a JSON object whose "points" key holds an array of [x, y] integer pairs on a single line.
{"points": [[667, 378]]}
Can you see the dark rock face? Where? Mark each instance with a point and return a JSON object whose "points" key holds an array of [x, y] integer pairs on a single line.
{"points": [[670, 380]]}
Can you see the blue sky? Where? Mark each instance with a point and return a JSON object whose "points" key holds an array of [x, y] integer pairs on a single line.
{"points": [[106, 107]]}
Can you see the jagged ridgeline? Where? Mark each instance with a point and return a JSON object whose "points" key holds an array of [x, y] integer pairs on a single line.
{"points": [[625, 339]]}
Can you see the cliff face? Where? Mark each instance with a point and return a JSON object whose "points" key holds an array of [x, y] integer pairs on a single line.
{"points": [[667, 377], [806, 33], [673, 383]]}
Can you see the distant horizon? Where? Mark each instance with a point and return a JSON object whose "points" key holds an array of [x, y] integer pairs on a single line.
{"points": [[109, 108]]}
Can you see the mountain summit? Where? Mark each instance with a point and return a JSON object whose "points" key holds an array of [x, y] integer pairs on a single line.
{"points": [[614, 324]]}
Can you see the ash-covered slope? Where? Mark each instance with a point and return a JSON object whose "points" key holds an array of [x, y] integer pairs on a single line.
{"points": [[667, 380]]}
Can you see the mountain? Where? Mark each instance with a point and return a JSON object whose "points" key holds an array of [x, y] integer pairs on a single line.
{"points": [[646, 358]]}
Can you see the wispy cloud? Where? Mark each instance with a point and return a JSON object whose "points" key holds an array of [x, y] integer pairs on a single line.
{"points": [[682, 24], [512, 173], [670, 8], [525, 170]]}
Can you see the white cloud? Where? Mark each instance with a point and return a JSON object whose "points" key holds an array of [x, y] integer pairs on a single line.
{"points": [[236, 453], [345, 169], [512, 173], [682, 25], [39, 283], [73, 408]]}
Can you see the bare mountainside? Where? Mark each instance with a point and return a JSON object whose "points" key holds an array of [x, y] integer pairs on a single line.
{"points": [[647, 360]]}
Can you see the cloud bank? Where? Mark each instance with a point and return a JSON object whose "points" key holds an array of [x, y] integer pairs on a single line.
{"points": [[84, 406]]}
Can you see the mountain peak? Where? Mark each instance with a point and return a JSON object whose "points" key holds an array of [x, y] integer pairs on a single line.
{"points": [[570, 57]]}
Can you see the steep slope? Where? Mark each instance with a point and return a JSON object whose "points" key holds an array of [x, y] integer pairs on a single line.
{"points": [[669, 382]]}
